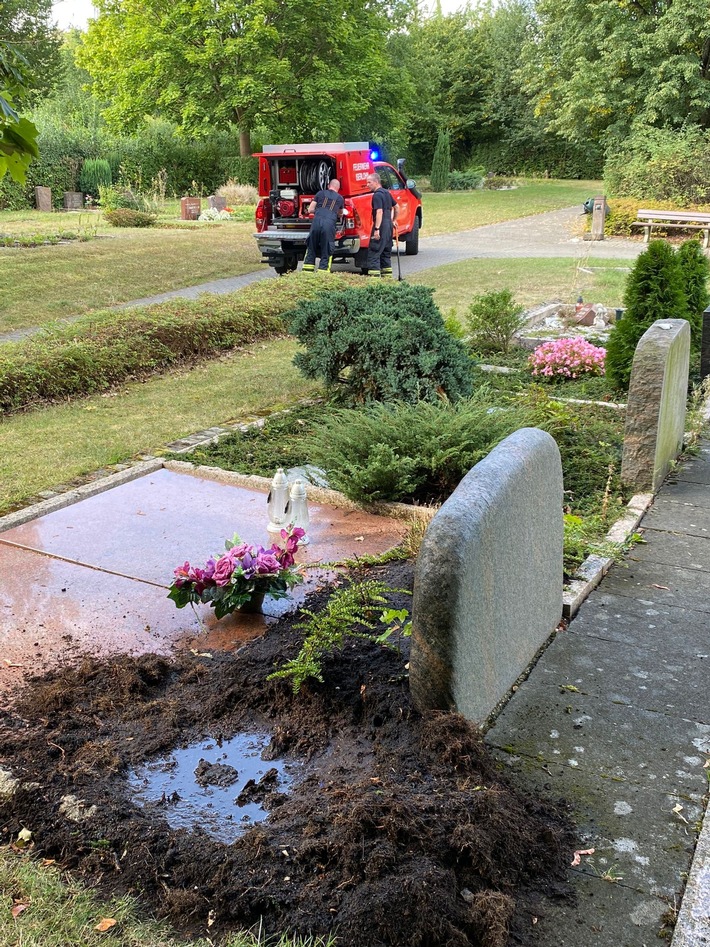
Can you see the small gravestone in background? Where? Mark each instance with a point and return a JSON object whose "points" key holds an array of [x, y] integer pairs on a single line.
{"points": [[73, 200], [190, 208], [488, 584], [655, 408], [217, 202], [705, 346], [43, 198]]}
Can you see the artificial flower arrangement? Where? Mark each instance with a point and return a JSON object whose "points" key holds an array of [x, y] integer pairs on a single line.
{"points": [[240, 575], [212, 213], [568, 358]]}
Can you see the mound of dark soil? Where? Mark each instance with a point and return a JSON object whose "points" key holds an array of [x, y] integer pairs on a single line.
{"points": [[401, 831]]}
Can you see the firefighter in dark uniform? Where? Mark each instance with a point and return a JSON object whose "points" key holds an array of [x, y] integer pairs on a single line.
{"points": [[384, 214], [327, 206]]}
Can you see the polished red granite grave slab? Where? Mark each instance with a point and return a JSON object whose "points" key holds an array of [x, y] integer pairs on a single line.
{"points": [[94, 575]]}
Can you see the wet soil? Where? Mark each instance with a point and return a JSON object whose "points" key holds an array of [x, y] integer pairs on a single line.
{"points": [[400, 830]]}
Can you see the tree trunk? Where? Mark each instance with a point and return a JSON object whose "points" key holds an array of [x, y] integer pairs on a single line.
{"points": [[245, 144]]}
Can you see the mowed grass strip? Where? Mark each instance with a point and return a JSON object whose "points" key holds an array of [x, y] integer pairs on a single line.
{"points": [[451, 211], [39, 284], [106, 348], [54, 910], [532, 281], [54, 445]]}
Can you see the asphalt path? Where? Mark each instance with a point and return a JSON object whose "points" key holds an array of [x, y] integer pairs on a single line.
{"points": [[542, 236]]}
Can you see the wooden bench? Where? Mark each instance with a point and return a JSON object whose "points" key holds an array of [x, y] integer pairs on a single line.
{"points": [[674, 220]]}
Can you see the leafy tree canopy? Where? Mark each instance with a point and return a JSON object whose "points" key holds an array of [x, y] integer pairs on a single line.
{"points": [[600, 67], [27, 27], [296, 67]]}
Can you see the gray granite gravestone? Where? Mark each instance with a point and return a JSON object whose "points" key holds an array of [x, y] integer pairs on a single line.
{"points": [[73, 200], [488, 583], [655, 407], [43, 198], [217, 202]]}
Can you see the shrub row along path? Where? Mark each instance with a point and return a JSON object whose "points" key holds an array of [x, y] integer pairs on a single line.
{"points": [[615, 719], [542, 235]]}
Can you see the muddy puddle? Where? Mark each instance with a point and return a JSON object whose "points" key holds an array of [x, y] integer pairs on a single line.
{"points": [[221, 788]]}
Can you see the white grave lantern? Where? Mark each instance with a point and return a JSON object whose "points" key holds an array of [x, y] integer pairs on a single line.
{"points": [[298, 508], [277, 502]]}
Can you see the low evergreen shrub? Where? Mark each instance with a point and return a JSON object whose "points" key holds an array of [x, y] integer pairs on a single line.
{"points": [[381, 342], [125, 217], [465, 180], [492, 320]]}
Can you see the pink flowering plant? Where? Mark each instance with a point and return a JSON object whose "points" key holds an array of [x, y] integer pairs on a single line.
{"points": [[229, 581], [568, 358]]}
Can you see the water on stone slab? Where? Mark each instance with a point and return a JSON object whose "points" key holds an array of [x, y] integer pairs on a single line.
{"points": [[220, 788]]}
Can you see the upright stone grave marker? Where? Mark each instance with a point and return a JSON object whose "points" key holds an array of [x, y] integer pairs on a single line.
{"points": [[488, 584], [43, 198], [217, 202], [705, 346], [190, 208], [73, 200], [598, 216], [655, 408]]}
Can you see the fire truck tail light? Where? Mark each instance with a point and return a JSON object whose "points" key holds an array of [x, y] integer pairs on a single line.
{"points": [[263, 214]]}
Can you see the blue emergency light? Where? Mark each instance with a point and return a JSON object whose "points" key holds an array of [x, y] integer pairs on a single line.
{"points": [[374, 155]]}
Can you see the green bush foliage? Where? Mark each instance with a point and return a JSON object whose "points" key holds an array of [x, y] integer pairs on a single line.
{"points": [[421, 452], [541, 155], [410, 452], [95, 174], [125, 217], [106, 348], [381, 342], [695, 270], [492, 320], [654, 290], [661, 164], [441, 163], [465, 180]]}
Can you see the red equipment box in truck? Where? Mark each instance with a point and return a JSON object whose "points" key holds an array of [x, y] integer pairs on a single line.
{"points": [[290, 176]]}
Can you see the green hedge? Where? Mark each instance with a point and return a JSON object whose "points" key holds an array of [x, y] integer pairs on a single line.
{"points": [[188, 166], [107, 348]]}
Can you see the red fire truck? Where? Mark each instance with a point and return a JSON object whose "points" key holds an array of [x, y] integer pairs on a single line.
{"points": [[289, 177]]}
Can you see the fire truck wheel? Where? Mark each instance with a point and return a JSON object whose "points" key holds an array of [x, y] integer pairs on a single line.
{"points": [[411, 244]]}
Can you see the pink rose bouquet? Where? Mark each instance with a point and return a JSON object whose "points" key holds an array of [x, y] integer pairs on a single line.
{"points": [[231, 580]]}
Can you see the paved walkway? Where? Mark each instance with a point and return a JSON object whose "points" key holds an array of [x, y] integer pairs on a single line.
{"points": [[615, 718], [542, 235]]}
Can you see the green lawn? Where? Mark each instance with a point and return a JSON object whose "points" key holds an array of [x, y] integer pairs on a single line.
{"points": [[41, 448], [533, 281], [451, 211], [40, 284]]}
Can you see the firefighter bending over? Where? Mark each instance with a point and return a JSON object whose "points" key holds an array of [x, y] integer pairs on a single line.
{"points": [[328, 206], [384, 214]]}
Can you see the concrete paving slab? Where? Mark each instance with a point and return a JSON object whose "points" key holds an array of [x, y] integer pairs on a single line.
{"points": [[693, 927], [609, 740], [603, 915], [686, 492], [638, 834], [673, 549], [95, 574], [678, 518], [671, 681], [695, 470], [640, 621], [657, 583]]}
